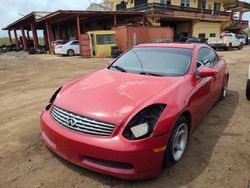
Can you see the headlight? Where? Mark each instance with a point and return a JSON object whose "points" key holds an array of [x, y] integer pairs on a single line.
{"points": [[52, 98], [143, 123]]}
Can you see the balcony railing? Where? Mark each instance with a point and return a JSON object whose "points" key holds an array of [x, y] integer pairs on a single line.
{"points": [[159, 6], [239, 24]]}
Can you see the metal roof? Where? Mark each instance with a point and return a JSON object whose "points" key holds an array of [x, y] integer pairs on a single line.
{"points": [[67, 15], [25, 21]]}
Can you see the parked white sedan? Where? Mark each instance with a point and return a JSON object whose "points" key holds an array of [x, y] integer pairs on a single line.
{"points": [[70, 48]]}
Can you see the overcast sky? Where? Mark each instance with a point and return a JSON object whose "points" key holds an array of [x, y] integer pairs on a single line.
{"points": [[10, 9]]}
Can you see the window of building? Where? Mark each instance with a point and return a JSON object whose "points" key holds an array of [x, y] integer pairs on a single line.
{"points": [[217, 8], [168, 2], [121, 6], [202, 36], [209, 6], [202, 4], [185, 3], [212, 35], [140, 2]]}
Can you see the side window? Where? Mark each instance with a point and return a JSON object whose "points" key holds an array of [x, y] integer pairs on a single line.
{"points": [[207, 58], [75, 43]]}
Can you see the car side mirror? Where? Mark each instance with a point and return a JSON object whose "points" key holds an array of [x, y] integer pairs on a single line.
{"points": [[206, 72]]}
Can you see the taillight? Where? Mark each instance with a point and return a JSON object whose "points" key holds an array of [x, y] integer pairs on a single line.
{"points": [[59, 46]]}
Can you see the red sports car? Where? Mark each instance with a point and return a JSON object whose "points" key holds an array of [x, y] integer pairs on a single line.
{"points": [[135, 116]]}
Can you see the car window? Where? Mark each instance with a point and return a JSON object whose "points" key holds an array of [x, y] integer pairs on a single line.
{"points": [[75, 43], [206, 57], [156, 60]]}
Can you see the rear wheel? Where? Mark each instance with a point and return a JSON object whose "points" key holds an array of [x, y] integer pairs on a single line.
{"points": [[240, 46], [229, 47], [70, 52], [248, 90], [224, 90], [177, 143]]}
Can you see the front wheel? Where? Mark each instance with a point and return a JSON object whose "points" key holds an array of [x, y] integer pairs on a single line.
{"points": [[70, 52], [177, 143]]}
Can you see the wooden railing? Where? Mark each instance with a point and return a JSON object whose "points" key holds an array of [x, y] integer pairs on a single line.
{"points": [[159, 6]]}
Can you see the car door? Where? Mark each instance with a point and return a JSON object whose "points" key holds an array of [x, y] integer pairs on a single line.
{"points": [[75, 46], [204, 90], [219, 65], [211, 59]]}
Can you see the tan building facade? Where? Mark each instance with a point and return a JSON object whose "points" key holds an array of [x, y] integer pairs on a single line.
{"points": [[199, 18]]}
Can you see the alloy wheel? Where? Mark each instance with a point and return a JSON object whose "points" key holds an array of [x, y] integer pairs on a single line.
{"points": [[180, 141]]}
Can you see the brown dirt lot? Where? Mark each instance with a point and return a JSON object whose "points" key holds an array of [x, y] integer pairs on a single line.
{"points": [[218, 154]]}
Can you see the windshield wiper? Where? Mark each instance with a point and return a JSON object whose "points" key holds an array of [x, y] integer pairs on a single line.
{"points": [[150, 73], [119, 68]]}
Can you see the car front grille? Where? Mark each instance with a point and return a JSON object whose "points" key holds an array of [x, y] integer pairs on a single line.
{"points": [[114, 164], [81, 123]]}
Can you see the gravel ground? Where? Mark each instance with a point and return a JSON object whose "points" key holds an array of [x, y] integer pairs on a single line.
{"points": [[218, 153]]}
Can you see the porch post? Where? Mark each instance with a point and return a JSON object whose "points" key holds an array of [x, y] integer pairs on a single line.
{"points": [[24, 39], [49, 34], [16, 39], [34, 35], [10, 38], [79, 33], [115, 20]]}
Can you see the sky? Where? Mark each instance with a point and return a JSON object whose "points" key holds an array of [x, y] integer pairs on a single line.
{"points": [[10, 10]]}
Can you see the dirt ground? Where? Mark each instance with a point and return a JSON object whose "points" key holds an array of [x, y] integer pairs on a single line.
{"points": [[218, 153]]}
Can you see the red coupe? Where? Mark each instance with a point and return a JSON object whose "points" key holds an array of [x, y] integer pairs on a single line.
{"points": [[135, 116]]}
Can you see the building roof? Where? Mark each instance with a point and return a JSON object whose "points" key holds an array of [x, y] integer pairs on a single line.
{"points": [[26, 20], [63, 15]]}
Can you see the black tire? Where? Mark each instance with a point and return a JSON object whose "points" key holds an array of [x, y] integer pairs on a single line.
{"points": [[224, 90], [70, 52], [248, 90], [169, 158], [240, 46], [229, 47]]}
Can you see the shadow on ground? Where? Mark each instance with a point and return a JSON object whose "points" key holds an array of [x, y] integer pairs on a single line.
{"points": [[197, 157]]}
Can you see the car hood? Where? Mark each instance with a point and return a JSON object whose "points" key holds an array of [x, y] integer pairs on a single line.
{"points": [[109, 95]]}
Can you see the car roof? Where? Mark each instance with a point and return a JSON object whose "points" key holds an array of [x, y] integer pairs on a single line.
{"points": [[169, 45]]}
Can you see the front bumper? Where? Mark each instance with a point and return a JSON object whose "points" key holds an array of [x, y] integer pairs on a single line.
{"points": [[78, 148]]}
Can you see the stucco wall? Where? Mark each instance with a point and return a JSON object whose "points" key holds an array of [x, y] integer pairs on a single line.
{"points": [[207, 28]]}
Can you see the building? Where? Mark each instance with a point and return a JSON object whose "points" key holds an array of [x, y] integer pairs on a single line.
{"points": [[199, 18]]}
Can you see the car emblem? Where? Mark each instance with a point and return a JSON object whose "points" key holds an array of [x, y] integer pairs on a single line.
{"points": [[71, 122]]}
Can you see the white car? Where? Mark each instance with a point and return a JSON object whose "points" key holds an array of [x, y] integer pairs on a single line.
{"points": [[71, 48], [226, 41]]}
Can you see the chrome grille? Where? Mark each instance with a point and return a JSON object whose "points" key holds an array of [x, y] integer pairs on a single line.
{"points": [[81, 123]]}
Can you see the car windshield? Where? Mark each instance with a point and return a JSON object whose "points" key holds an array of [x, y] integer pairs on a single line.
{"points": [[155, 61]]}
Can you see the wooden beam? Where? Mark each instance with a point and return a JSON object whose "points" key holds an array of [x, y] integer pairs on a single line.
{"points": [[45, 38], [28, 34], [10, 38], [78, 28], [49, 34], [24, 39], [34, 35], [115, 20], [16, 39]]}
